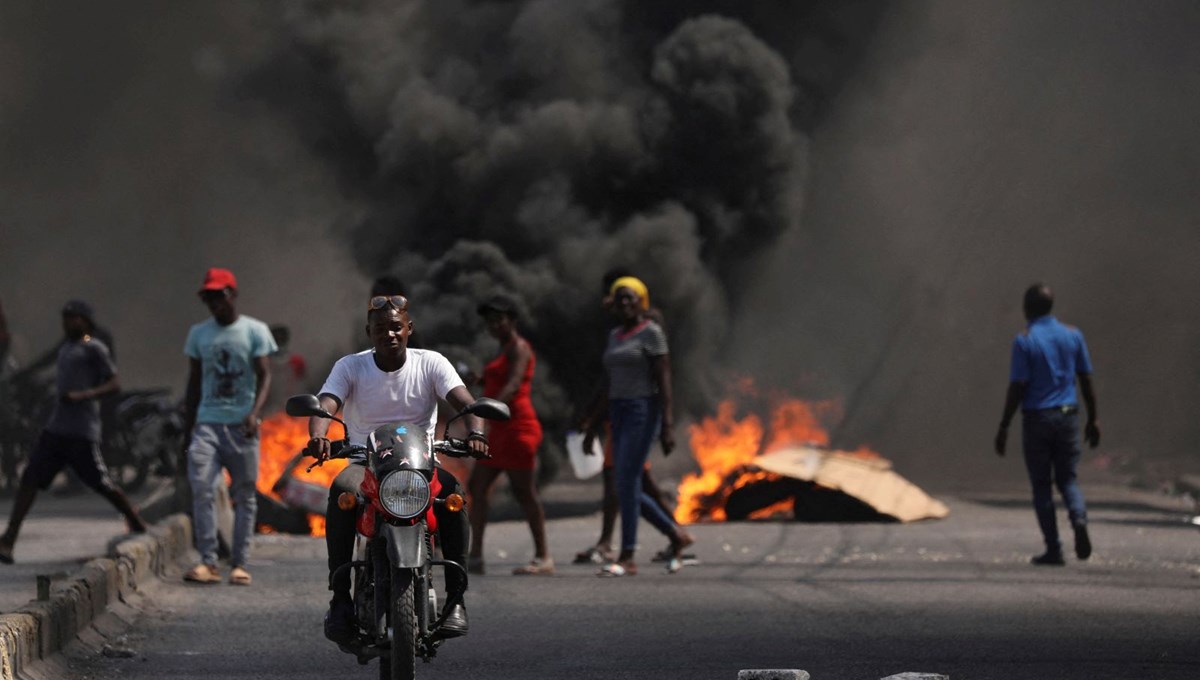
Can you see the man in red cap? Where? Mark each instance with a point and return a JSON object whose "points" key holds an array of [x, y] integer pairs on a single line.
{"points": [[229, 377]]}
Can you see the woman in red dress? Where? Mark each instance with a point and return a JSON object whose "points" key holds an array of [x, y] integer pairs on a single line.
{"points": [[513, 443]]}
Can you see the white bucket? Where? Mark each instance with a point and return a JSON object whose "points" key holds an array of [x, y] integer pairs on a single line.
{"points": [[584, 465]]}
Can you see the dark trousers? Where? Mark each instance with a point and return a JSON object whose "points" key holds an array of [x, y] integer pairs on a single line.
{"points": [[454, 528], [1051, 441]]}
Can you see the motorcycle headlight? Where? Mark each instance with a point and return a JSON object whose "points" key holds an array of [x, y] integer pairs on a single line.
{"points": [[404, 493]]}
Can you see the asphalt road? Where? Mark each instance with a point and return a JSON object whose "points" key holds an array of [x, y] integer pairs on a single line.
{"points": [[850, 602]]}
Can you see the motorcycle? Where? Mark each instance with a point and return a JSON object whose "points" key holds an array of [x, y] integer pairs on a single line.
{"points": [[143, 437], [395, 602]]}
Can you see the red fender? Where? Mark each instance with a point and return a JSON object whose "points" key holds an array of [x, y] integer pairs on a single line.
{"points": [[435, 487], [370, 491]]}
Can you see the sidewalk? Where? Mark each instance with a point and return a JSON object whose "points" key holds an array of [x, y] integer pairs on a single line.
{"points": [[59, 536]]}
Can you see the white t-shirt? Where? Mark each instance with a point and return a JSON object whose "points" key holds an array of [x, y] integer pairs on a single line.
{"points": [[372, 398]]}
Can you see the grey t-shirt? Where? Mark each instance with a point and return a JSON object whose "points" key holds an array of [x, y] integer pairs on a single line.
{"points": [[82, 365], [628, 360]]}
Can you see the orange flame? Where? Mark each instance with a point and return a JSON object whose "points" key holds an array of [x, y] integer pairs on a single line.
{"points": [[720, 445], [725, 448], [281, 438]]}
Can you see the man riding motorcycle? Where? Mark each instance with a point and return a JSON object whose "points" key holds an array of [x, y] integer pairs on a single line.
{"points": [[390, 383]]}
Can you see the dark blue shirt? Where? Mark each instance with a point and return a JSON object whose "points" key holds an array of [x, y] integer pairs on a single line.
{"points": [[1047, 357]]}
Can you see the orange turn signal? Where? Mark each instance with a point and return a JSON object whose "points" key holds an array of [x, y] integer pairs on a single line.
{"points": [[454, 502], [347, 501]]}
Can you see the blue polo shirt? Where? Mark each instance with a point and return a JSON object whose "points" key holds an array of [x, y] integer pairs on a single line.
{"points": [[1047, 357]]}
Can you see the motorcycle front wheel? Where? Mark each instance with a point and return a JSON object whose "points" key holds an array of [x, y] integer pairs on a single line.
{"points": [[402, 615]]}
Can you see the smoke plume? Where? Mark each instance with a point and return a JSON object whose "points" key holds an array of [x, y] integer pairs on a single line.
{"points": [[528, 147]]}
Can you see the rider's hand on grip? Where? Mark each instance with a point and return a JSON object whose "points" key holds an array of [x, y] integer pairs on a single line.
{"points": [[478, 444], [319, 448]]}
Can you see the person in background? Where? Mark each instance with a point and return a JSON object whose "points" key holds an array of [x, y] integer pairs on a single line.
{"points": [[638, 390], [1048, 357], [85, 373], [5, 337], [229, 378], [289, 366], [9, 430], [108, 402], [601, 552], [514, 443]]}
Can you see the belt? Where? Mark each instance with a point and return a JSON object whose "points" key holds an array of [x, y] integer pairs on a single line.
{"points": [[1065, 410]]}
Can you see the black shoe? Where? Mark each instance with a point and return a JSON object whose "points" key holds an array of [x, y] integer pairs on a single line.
{"points": [[1083, 543], [1050, 558], [456, 622], [339, 620]]}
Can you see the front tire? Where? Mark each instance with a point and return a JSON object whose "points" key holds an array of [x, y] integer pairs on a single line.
{"points": [[402, 615]]}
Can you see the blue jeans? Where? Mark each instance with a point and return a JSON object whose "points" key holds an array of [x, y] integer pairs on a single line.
{"points": [[1051, 442], [634, 424], [213, 447]]}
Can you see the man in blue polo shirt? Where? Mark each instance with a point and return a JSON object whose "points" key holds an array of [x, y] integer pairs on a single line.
{"points": [[1047, 358]]}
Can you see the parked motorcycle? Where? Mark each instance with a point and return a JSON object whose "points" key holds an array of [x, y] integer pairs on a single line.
{"points": [[145, 437], [395, 602]]}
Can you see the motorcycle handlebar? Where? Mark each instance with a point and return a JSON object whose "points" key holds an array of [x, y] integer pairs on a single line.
{"points": [[457, 448], [337, 449]]}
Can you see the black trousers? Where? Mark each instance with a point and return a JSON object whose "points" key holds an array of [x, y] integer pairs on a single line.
{"points": [[453, 535]]}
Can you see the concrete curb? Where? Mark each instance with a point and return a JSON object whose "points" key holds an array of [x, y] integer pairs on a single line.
{"points": [[44, 627]]}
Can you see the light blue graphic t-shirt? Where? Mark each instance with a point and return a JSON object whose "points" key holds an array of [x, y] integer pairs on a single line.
{"points": [[226, 355]]}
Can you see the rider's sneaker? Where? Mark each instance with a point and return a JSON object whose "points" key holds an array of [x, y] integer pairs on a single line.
{"points": [[456, 622], [339, 620]]}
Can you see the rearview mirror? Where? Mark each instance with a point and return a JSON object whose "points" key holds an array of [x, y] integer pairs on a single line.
{"points": [[305, 405], [491, 409]]}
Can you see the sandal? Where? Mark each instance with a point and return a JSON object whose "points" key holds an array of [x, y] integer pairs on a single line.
{"points": [[203, 573], [536, 568], [615, 569], [593, 555], [239, 577], [664, 555], [682, 540]]}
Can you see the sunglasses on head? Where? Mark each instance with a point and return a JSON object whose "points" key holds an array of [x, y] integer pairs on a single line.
{"points": [[380, 301]]}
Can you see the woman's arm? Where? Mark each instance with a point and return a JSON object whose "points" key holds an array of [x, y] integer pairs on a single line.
{"points": [[596, 412], [519, 354]]}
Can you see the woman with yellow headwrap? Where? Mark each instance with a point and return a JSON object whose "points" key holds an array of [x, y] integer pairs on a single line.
{"points": [[638, 376]]}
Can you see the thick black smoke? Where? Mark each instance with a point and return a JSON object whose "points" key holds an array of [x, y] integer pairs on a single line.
{"points": [[528, 147]]}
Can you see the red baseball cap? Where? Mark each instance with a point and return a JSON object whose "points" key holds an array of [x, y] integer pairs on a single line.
{"points": [[218, 279]]}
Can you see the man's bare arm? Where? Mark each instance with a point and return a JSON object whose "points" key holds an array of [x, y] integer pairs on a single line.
{"points": [[1012, 400], [191, 400], [262, 389], [460, 398], [318, 428]]}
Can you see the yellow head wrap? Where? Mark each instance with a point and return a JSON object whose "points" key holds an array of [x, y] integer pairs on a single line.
{"points": [[634, 284]]}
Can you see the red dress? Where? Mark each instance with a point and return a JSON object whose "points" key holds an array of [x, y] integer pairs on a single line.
{"points": [[512, 443]]}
